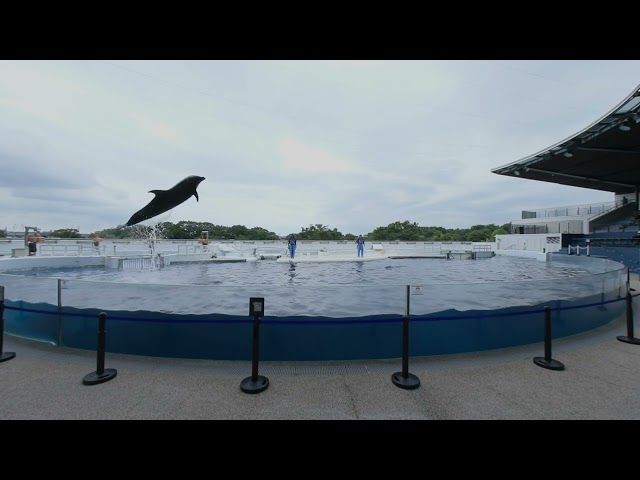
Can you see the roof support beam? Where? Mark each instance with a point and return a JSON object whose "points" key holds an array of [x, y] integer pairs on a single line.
{"points": [[549, 172], [608, 150]]}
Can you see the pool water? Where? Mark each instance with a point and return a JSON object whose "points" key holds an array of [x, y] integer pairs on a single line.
{"points": [[380, 272]]}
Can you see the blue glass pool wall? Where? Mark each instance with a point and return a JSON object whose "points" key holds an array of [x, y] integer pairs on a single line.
{"points": [[342, 322]]}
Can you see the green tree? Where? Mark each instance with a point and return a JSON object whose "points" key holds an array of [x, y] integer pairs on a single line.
{"points": [[113, 233], [319, 232], [259, 233], [498, 231], [66, 233], [402, 231]]}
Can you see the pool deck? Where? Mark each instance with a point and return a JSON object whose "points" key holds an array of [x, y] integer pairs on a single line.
{"points": [[600, 381]]}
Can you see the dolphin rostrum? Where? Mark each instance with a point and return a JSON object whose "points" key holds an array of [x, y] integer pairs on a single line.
{"points": [[165, 200]]}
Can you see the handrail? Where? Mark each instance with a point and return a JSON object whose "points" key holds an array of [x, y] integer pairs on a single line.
{"points": [[576, 208], [577, 249], [615, 207]]}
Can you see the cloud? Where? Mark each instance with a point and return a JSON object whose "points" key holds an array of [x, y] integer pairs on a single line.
{"points": [[284, 144]]}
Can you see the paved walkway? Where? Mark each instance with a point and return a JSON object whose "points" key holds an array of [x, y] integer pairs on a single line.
{"points": [[601, 381]]}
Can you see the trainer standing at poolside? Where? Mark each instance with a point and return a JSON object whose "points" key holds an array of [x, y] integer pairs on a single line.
{"points": [[292, 246], [360, 244]]}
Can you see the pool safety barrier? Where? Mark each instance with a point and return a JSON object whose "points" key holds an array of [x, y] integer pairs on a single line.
{"points": [[404, 379], [255, 383], [547, 361], [629, 338], [101, 374], [6, 355]]}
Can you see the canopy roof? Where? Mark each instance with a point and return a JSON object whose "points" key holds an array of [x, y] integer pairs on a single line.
{"points": [[603, 156]]}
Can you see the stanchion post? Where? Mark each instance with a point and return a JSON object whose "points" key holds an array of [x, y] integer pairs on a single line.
{"points": [[629, 338], [101, 374], [6, 355], [255, 383], [405, 379], [60, 312], [547, 361]]}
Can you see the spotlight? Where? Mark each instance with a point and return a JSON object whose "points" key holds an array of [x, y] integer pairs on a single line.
{"points": [[568, 154], [517, 173], [625, 127]]}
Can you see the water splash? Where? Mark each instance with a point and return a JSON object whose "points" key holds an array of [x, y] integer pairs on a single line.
{"points": [[151, 235]]}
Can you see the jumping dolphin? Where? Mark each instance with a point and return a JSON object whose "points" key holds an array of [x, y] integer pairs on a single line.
{"points": [[165, 200]]}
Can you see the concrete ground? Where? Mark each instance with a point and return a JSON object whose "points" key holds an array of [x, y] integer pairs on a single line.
{"points": [[600, 382]]}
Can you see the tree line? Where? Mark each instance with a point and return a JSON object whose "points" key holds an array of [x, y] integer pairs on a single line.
{"points": [[398, 231], [401, 231]]}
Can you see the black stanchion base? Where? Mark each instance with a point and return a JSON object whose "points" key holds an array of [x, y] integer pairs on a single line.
{"points": [[550, 364], [409, 382], [7, 356], [632, 340], [94, 378], [249, 386]]}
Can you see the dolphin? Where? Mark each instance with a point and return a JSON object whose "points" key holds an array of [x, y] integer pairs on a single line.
{"points": [[165, 200]]}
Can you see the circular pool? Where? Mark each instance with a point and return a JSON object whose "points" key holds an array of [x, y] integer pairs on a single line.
{"points": [[321, 311]]}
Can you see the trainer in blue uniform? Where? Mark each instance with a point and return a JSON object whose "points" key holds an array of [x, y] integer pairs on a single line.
{"points": [[292, 246], [360, 243]]}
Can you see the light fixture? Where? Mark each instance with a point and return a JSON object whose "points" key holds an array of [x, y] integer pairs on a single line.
{"points": [[568, 154], [625, 127], [517, 173]]}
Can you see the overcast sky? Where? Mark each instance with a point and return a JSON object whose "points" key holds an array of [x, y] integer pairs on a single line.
{"points": [[352, 145]]}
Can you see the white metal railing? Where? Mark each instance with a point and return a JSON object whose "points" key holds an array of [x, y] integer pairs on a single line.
{"points": [[142, 262], [570, 211], [56, 250], [603, 213], [577, 249], [270, 251], [192, 249]]}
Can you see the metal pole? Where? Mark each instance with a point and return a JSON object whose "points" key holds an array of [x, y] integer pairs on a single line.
{"points": [[256, 348], [255, 383], [405, 379], [101, 375], [1, 319], [547, 361], [629, 338], [405, 347], [547, 334], [101, 342], [7, 355], [405, 334], [629, 316], [59, 312]]}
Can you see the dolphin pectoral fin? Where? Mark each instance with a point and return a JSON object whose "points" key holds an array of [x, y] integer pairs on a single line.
{"points": [[195, 194]]}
